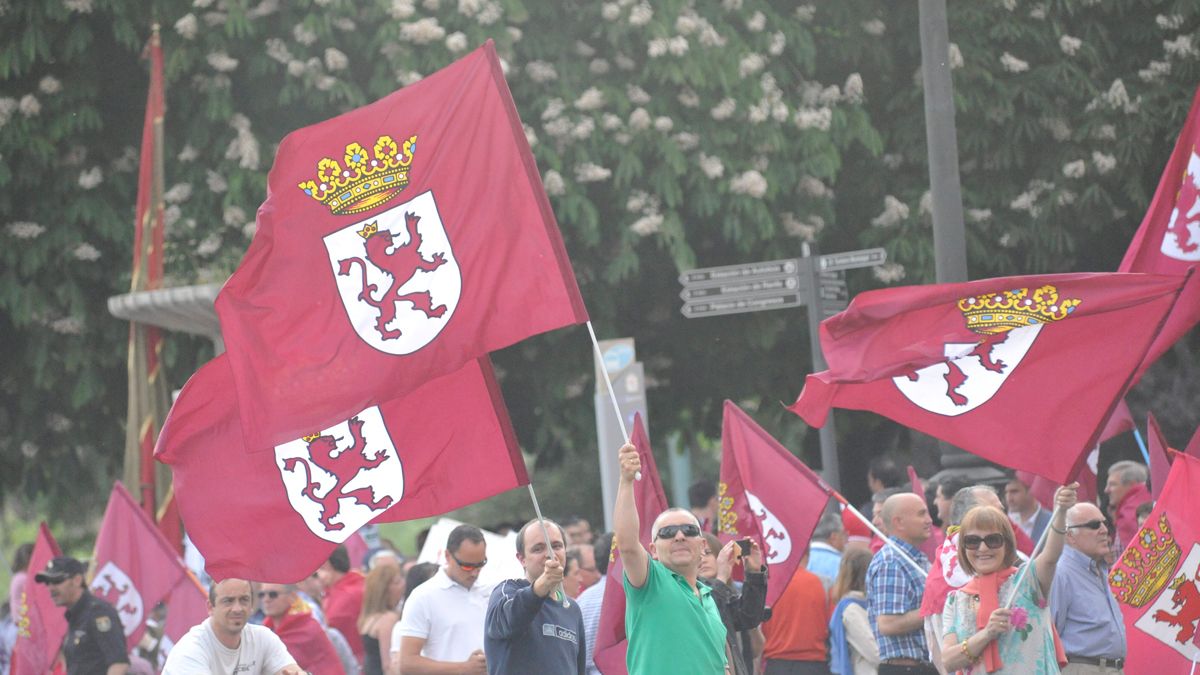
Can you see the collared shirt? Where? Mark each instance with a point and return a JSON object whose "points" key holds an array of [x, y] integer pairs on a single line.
{"points": [[590, 602], [447, 615], [1086, 614], [95, 638], [824, 561], [1033, 525], [895, 587], [670, 628]]}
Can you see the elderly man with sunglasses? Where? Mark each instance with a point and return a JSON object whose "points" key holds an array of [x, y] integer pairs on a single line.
{"points": [[292, 620], [671, 619], [441, 629], [1085, 612]]}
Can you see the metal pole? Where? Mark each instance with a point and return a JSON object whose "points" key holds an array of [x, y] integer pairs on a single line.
{"points": [[827, 434], [949, 240]]}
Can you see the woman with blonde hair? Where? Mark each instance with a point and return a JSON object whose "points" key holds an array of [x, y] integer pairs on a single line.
{"points": [[852, 646], [986, 632], [383, 590]]}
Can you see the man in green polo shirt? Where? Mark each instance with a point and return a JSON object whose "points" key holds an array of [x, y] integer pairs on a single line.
{"points": [[671, 619]]}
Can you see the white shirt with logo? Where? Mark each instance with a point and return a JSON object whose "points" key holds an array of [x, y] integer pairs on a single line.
{"points": [[200, 653], [448, 616]]}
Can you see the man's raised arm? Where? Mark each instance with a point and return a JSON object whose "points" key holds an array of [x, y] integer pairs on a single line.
{"points": [[625, 519]]}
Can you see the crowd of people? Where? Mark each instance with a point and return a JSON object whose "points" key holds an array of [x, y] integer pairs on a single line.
{"points": [[961, 581]]}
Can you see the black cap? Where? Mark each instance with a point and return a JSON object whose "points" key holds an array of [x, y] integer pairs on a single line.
{"points": [[60, 569]]}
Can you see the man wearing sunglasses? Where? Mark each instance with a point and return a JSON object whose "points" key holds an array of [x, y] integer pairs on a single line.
{"points": [[292, 620], [441, 629], [671, 619], [1086, 614], [532, 627]]}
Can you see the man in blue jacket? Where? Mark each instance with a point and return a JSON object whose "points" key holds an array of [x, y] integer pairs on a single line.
{"points": [[531, 626]]}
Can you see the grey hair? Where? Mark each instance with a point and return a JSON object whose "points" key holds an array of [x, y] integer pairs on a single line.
{"points": [[827, 526], [1129, 471], [964, 500]]}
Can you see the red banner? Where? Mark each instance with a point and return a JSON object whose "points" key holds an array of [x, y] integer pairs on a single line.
{"points": [[1159, 451], [651, 500], [1157, 578], [40, 624], [768, 494], [398, 242], [276, 516], [1020, 371], [134, 568]]}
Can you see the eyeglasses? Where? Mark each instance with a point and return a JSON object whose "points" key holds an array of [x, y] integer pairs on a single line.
{"points": [[669, 531], [269, 594], [994, 541], [469, 566], [1091, 525]]}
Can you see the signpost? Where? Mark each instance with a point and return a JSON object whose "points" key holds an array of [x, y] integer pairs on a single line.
{"points": [[818, 282]]}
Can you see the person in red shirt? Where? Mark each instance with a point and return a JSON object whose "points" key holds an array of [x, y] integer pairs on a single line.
{"points": [[292, 620], [799, 626], [343, 597], [1126, 490]]}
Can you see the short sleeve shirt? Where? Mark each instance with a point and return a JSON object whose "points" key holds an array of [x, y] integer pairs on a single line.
{"points": [[447, 616], [895, 587], [670, 629], [95, 638], [198, 652]]}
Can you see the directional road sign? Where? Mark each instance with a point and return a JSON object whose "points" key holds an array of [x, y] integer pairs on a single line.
{"points": [[867, 257], [758, 270], [757, 303], [738, 289]]}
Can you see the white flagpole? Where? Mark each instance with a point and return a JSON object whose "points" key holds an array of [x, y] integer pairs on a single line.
{"points": [[887, 540], [546, 537], [1041, 542], [612, 396]]}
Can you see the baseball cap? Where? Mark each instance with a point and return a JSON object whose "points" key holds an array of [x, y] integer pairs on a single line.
{"points": [[60, 569]]}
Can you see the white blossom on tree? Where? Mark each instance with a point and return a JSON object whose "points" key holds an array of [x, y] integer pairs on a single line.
{"points": [[588, 172], [894, 212], [1012, 64], [750, 183], [91, 178]]}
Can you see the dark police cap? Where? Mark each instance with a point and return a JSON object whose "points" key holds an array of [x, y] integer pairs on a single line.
{"points": [[60, 569]]}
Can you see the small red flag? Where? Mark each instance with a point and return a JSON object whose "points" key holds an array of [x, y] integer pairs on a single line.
{"points": [[135, 568], [1043, 489], [40, 624], [1020, 371], [1156, 580], [1160, 455], [276, 516], [187, 605], [768, 494], [651, 500], [398, 242]]}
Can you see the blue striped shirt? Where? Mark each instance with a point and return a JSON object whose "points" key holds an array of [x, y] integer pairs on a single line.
{"points": [[895, 587]]}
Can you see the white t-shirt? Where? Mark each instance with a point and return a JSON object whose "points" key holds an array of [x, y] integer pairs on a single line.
{"points": [[200, 653], [447, 616]]}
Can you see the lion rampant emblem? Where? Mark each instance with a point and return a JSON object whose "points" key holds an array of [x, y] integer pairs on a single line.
{"points": [[1185, 600], [115, 587], [344, 467]]}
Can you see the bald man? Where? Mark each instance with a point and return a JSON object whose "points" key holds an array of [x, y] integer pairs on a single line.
{"points": [[1086, 614], [895, 587]]}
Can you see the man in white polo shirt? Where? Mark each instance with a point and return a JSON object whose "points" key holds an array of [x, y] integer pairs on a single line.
{"points": [[441, 630]]}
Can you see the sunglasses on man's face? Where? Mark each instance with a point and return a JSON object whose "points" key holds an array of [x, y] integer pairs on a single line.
{"points": [[994, 541], [269, 594], [469, 566], [1091, 525], [669, 531]]}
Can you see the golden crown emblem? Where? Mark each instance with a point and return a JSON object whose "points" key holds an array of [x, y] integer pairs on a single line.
{"points": [[726, 517], [1147, 566], [368, 230], [359, 182], [1003, 311], [311, 437]]}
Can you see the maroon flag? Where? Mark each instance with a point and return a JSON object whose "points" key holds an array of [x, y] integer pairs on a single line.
{"points": [[1156, 580], [1168, 240], [187, 605], [768, 494], [1043, 489], [1160, 455], [651, 500], [40, 625], [135, 568], [399, 241], [277, 515], [1020, 371], [1193, 446]]}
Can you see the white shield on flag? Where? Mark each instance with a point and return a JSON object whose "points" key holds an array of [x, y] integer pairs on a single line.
{"points": [[776, 540], [115, 587], [967, 380], [397, 275], [343, 477], [1181, 241], [1172, 617]]}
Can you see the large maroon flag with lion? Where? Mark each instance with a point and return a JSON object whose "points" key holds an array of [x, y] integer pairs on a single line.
{"points": [[398, 242], [1022, 371]]}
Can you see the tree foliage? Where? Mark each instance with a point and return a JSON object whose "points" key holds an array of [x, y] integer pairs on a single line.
{"points": [[672, 134]]}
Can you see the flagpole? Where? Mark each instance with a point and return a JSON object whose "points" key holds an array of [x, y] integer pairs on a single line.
{"points": [[546, 536], [887, 540], [1037, 548], [1137, 436], [612, 396]]}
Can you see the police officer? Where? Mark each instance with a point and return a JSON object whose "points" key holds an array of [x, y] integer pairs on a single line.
{"points": [[95, 640]]}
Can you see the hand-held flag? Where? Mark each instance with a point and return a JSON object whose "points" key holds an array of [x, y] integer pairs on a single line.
{"points": [[1160, 460], [40, 624]]}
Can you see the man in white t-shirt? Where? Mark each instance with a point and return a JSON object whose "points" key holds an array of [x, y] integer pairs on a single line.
{"points": [[224, 643], [441, 629]]}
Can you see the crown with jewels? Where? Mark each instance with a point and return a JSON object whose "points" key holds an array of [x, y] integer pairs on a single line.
{"points": [[311, 437], [361, 182], [1003, 311], [726, 517], [1147, 566]]}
